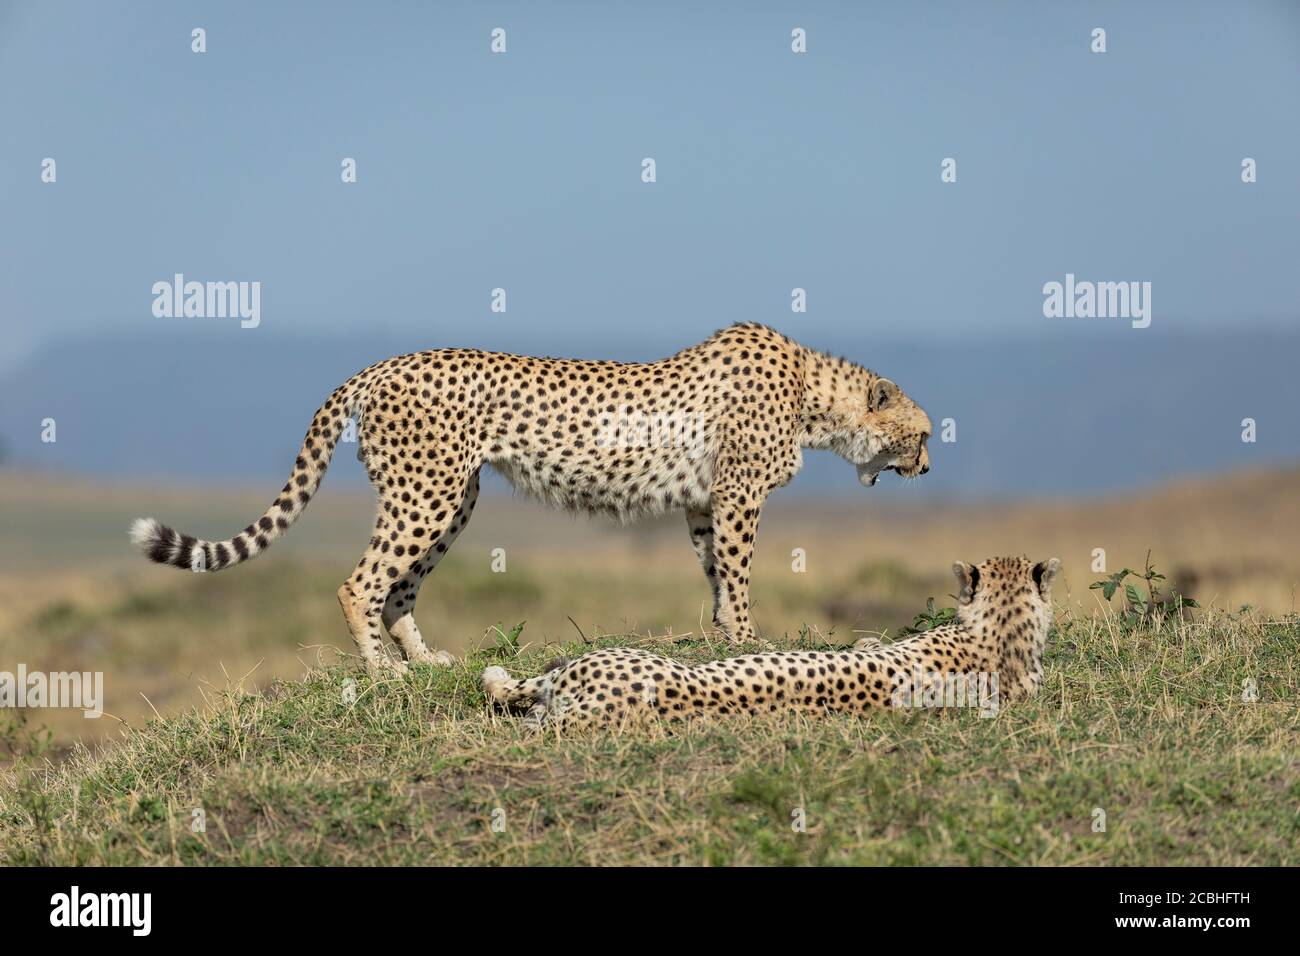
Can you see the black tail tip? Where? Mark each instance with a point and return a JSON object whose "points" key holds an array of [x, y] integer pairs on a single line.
{"points": [[155, 540]]}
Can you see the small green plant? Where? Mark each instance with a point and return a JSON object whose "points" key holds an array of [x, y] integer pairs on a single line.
{"points": [[1139, 608], [506, 642], [21, 742], [931, 618]]}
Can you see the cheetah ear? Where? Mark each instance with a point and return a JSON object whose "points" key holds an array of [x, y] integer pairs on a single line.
{"points": [[968, 579], [882, 393], [1045, 574]]}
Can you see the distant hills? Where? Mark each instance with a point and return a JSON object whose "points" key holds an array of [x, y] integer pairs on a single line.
{"points": [[1061, 415]]}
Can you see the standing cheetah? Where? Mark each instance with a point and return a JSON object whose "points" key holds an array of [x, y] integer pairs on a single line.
{"points": [[1004, 611], [712, 430]]}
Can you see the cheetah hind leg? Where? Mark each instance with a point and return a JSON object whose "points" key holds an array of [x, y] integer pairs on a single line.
{"points": [[399, 609], [365, 594], [406, 635], [534, 695], [537, 717]]}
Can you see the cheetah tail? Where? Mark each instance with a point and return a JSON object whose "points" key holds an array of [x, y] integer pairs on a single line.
{"points": [[164, 546], [500, 688]]}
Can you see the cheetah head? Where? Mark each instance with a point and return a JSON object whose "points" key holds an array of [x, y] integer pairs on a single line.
{"points": [[890, 435], [987, 586]]}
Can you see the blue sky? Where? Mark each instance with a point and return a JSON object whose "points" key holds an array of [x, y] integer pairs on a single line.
{"points": [[522, 170]]}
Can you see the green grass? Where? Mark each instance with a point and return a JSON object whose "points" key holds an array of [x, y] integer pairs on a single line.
{"points": [[1147, 725]]}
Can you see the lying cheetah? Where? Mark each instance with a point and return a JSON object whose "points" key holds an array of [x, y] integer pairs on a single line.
{"points": [[1004, 611], [712, 431]]}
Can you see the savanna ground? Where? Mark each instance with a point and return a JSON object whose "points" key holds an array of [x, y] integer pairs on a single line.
{"points": [[1182, 731]]}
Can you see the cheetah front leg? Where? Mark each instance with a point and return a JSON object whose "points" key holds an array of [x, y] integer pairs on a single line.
{"points": [[700, 523], [736, 508]]}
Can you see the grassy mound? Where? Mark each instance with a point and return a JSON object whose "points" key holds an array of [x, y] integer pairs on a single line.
{"points": [[1151, 730]]}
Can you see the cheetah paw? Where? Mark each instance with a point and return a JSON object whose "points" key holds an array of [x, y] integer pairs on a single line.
{"points": [[433, 658], [385, 667]]}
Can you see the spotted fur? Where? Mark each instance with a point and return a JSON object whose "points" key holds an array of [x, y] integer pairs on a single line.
{"points": [[711, 431], [1003, 615]]}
